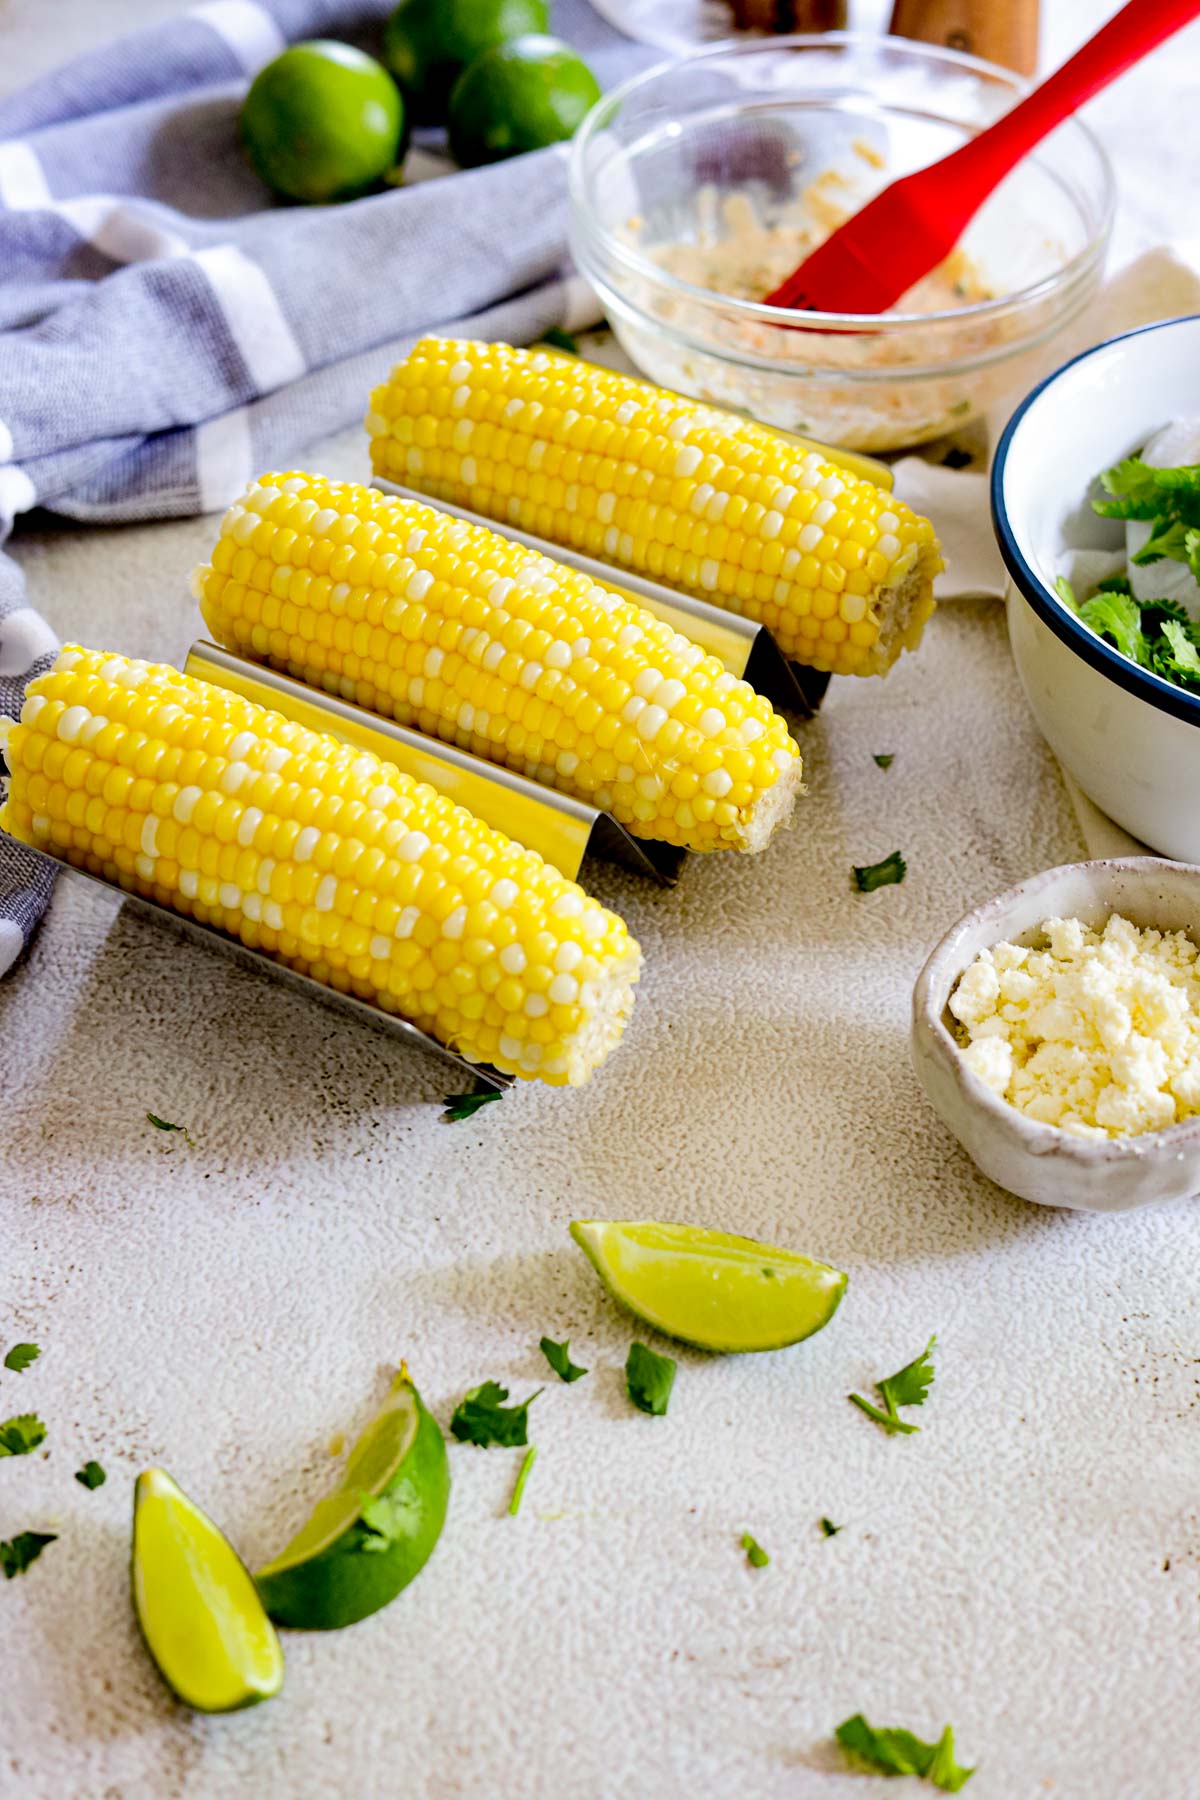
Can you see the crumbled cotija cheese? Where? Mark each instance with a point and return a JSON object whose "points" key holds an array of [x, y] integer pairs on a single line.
{"points": [[1095, 1031]]}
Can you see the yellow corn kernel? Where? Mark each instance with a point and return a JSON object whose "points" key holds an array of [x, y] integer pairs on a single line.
{"points": [[388, 905], [507, 654], [783, 509]]}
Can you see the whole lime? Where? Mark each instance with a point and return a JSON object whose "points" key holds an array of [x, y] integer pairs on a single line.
{"points": [[428, 43], [322, 122], [519, 96]]}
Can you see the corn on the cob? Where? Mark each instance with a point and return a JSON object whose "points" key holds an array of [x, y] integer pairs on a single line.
{"points": [[705, 502], [466, 635], [326, 857]]}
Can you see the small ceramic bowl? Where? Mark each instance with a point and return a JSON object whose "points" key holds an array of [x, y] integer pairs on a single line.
{"points": [[1040, 1162], [1130, 739]]}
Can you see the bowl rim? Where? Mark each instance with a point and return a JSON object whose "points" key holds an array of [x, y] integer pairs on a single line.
{"points": [[1105, 658], [781, 317], [931, 995]]}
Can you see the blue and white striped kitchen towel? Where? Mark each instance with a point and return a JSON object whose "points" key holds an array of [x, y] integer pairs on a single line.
{"points": [[167, 331]]}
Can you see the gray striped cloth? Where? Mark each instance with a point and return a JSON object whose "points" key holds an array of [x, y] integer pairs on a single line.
{"points": [[167, 331]]}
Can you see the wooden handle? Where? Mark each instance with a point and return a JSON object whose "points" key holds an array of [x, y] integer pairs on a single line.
{"points": [[790, 15], [1000, 31]]}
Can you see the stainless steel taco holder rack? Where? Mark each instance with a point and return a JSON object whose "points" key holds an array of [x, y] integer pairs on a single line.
{"points": [[564, 830]]}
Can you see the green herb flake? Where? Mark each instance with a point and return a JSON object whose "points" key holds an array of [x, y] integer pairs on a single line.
{"points": [[518, 1493], [465, 1106], [884, 760], [891, 1424], [17, 1554], [21, 1435], [482, 1418], [558, 1358], [907, 1387], [881, 874], [756, 1556], [166, 1125], [649, 1379], [892, 1751], [1066, 593], [91, 1475], [20, 1357], [830, 1529], [558, 339]]}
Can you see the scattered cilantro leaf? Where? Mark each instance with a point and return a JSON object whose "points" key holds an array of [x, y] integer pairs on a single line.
{"points": [[880, 874], [830, 1529], [91, 1475], [20, 1357], [166, 1125], [889, 1421], [464, 1106], [909, 1385], [893, 1751], [558, 339], [756, 1556], [482, 1418], [17, 1554], [649, 1379], [558, 1358], [21, 1435], [884, 762], [518, 1493]]}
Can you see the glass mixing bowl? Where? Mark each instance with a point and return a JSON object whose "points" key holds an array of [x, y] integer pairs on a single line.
{"points": [[720, 149]]}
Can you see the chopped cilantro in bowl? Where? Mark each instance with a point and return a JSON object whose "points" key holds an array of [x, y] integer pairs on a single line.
{"points": [[1159, 634]]}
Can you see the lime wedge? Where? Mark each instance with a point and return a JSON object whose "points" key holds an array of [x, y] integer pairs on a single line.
{"points": [[709, 1288], [200, 1615], [376, 1530]]}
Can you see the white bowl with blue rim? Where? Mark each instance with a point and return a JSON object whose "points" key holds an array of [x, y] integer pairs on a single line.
{"points": [[1128, 737]]}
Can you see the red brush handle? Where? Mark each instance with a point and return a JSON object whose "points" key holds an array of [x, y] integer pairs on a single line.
{"points": [[1139, 26]]}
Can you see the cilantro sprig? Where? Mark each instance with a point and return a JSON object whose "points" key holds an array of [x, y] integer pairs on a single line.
{"points": [[166, 1125], [21, 1435], [518, 1493], [465, 1106], [558, 1356], [17, 1553], [649, 1379], [91, 1476], [482, 1418], [907, 1387], [756, 1556], [870, 876], [890, 1750], [20, 1357]]}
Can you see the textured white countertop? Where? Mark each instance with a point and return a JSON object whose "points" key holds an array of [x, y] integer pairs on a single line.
{"points": [[1026, 1568]]}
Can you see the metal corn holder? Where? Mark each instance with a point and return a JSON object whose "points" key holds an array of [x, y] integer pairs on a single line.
{"points": [[563, 830]]}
